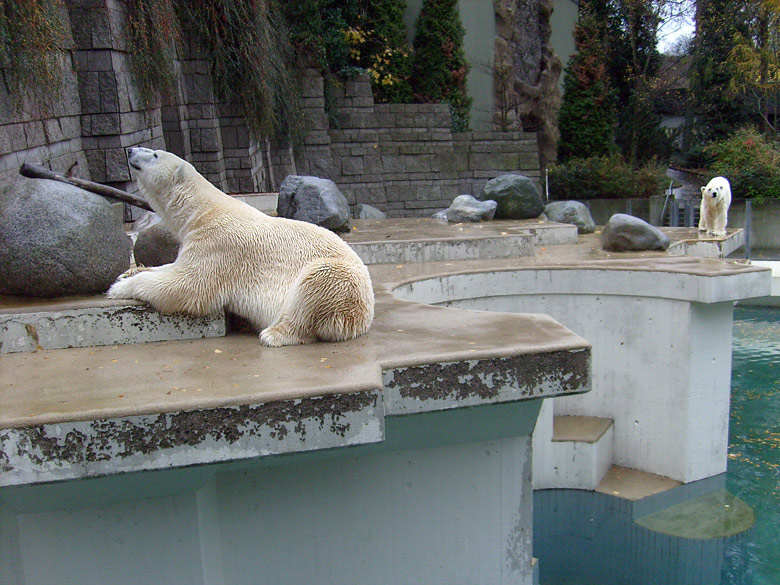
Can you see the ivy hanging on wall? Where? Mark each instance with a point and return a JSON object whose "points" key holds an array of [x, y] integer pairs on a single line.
{"points": [[154, 37], [33, 38], [252, 61]]}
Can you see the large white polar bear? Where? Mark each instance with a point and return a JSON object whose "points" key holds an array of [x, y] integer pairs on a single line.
{"points": [[715, 202], [294, 281]]}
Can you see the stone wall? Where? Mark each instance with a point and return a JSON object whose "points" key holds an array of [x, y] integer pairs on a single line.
{"points": [[401, 158]]}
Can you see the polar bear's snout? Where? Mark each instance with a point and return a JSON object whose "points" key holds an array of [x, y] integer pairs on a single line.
{"points": [[138, 156]]}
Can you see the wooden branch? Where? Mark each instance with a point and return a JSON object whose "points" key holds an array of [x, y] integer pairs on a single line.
{"points": [[39, 172]]}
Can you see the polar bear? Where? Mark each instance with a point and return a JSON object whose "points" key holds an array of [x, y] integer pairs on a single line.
{"points": [[294, 281], [715, 202]]}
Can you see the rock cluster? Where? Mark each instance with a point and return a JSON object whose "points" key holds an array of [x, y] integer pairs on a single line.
{"points": [[572, 212], [57, 240], [626, 233], [517, 197], [315, 200], [466, 208]]}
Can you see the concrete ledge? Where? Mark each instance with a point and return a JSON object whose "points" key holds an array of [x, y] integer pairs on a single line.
{"points": [[704, 246], [579, 455], [393, 241], [773, 299], [96, 321]]}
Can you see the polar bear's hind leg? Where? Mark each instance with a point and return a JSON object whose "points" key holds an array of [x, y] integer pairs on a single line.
{"points": [[331, 301]]}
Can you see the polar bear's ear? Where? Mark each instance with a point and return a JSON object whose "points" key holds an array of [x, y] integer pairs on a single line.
{"points": [[703, 188], [181, 174]]}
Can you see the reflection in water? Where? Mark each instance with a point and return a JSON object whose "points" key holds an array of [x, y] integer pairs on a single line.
{"points": [[584, 538], [754, 449]]}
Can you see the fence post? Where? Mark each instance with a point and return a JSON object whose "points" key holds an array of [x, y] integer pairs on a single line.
{"points": [[748, 225]]}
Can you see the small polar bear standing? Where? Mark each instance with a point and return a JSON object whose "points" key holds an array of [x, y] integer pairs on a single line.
{"points": [[715, 202], [294, 281]]}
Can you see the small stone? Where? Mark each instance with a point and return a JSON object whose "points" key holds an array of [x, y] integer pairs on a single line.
{"points": [[57, 240], [572, 212], [315, 200], [364, 211], [467, 208], [517, 196], [626, 233], [155, 246]]}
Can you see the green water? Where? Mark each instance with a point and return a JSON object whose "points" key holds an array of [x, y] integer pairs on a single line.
{"points": [[754, 441]]}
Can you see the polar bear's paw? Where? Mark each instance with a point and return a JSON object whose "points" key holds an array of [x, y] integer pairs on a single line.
{"points": [[279, 335], [133, 271], [120, 289]]}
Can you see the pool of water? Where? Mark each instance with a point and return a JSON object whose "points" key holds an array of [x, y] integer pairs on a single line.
{"points": [[754, 441]]}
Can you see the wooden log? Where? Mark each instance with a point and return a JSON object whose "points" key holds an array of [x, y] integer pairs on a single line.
{"points": [[38, 172]]}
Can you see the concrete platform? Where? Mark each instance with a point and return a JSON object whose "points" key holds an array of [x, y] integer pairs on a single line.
{"points": [[691, 242], [35, 324], [392, 241]]}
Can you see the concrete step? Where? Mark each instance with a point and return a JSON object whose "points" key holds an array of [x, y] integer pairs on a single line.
{"points": [[26, 325], [578, 454]]}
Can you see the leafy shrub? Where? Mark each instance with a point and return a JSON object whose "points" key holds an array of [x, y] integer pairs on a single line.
{"points": [[604, 177], [378, 44], [750, 162]]}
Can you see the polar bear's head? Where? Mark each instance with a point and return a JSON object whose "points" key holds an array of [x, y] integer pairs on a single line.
{"points": [[156, 171], [716, 189]]}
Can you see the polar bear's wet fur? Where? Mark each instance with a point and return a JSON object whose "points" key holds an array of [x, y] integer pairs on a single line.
{"points": [[715, 202], [294, 281]]}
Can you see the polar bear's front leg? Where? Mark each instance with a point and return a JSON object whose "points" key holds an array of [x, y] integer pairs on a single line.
{"points": [[169, 289], [719, 224], [703, 223]]}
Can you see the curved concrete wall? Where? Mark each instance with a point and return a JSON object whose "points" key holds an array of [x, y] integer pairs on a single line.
{"points": [[661, 352]]}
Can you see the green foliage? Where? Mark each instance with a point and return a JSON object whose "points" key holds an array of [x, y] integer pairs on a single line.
{"points": [[439, 64], [604, 177], [154, 34], [587, 116], [717, 112], [32, 41], [378, 45], [317, 29], [751, 163], [252, 61]]}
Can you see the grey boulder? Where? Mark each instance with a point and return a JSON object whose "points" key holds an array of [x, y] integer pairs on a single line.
{"points": [[364, 211], [517, 197], [156, 246], [315, 200], [466, 208], [572, 212], [626, 233], [57, 240]]}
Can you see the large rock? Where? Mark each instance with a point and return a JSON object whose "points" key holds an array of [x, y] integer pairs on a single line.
{"points": [[314, 200], [364, 211], [57, 239], [571, 212], [626, 233], [155, 246], [517, 196], [467, 208]]}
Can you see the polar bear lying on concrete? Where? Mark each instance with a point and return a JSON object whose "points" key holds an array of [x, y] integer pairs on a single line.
{"points": [[294, 281], [715, 202]]}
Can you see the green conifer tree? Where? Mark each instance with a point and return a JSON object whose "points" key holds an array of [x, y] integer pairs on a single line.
{"points": [[439, 64], [587, 118]]}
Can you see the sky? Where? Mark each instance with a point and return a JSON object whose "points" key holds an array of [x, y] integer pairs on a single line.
{"points": [[672, 30]]}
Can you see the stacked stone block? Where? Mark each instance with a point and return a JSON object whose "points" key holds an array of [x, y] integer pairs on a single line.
{"points": [[113, 115], [401, 158]]}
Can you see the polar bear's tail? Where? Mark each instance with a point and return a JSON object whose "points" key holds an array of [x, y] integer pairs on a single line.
{"points": [[332, 300]]}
